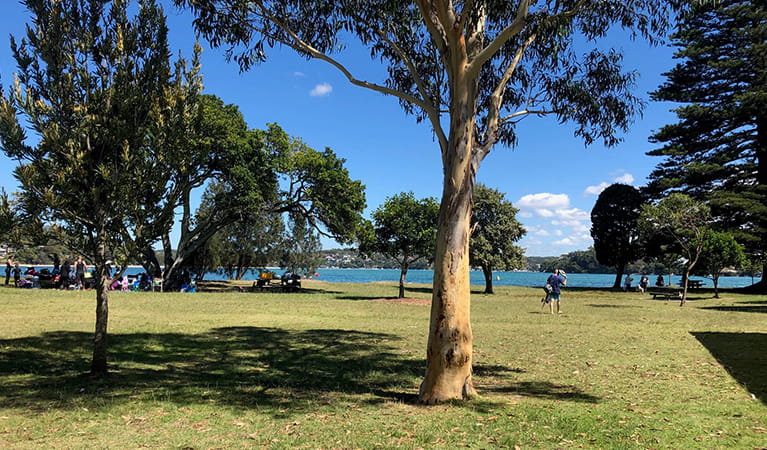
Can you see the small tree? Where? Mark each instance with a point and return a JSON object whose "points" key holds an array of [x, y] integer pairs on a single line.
{"points": [[100, 92], [614, 227], [404, 229], [682, 219], [720, 250], [494, 231]]}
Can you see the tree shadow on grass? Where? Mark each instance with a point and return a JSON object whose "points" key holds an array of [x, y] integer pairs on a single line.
{"points": [[545, 390], [241, 367], [281, 372], [742, 355], [750, 307]]}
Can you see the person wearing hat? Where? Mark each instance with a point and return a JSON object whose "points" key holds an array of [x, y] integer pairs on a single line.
{"points": [[556, 280]]}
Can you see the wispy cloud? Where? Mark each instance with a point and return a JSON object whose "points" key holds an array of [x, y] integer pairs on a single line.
{"points": [[321, 90]]}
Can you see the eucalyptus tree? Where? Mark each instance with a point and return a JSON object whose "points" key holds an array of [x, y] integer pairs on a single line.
{"points": [[494, 233], [717, 150], [685, 221], [100, 94], [403, 228], [474, 70], [614, 227]]}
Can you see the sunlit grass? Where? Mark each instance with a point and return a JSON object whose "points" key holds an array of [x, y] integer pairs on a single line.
{"points": [[332, 368]]}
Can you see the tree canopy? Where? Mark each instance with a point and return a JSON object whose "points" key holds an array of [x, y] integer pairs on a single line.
{"points": [[495, 231], [614, 227], [403, 228], [99, 91], [685, 221], [717, 151], [473, 70], [720, 251]]}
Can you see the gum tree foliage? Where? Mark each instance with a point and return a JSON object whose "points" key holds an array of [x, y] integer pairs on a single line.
{"points": [[720, 251], [717, 150], [494, 232], [99, 92], [685, 221], [404, 229], [614, 227], [473, 70]]}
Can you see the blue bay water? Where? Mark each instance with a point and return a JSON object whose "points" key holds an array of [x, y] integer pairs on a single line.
{"points": [[533, 279]]}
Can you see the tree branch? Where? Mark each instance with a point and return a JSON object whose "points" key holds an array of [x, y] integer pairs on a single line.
{"points": [[496, 99], [475, 65], [433, 110], [304, 47]]}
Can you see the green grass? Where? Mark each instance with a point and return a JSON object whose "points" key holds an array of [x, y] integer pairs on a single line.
{"points": [[330, 368]]}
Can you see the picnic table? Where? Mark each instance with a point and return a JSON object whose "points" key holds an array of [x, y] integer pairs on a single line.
{"points": [[668, 292], [694, 284]]}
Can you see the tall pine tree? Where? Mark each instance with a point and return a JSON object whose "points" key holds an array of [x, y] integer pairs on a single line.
{"points": [[717, 152]]}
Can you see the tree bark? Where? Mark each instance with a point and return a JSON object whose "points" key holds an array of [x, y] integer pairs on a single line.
{"points": [[449, 348], [402, 275], [488, 272], [618, 276], [99, 361]]}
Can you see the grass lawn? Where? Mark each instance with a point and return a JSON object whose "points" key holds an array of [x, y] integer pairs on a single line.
{"points": [[332, 367]]}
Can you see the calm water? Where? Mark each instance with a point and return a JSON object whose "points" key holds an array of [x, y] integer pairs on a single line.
{"points": [[477, 279]]}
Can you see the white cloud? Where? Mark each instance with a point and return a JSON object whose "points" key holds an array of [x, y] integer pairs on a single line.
{"points": [[298, 74], [543, 200], [543, 233], [545, 212], [565, 241], [573, 214], [596, 190], [321, 90], [626, 178]]}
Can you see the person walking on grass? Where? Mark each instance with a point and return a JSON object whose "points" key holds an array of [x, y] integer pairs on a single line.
{"points": [[556, 280]]}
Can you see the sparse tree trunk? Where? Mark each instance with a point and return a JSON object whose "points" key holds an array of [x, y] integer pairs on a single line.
{"points": [[449, 348], [715, 280], [488, 272], [99, 361], [402, 275]]}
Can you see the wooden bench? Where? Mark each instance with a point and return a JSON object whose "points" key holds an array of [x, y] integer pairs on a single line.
{"points": [[694, 284], [666, 293]]}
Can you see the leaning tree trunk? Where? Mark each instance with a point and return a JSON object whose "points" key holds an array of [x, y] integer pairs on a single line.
{"points": [[449, 348], [488, 272], [99, 361]]}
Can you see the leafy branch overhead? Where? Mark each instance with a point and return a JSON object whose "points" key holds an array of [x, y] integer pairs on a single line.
{"points": [[521, 54]]}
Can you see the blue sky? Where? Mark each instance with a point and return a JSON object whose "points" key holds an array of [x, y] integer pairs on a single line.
{"points": [[551, 177]]}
